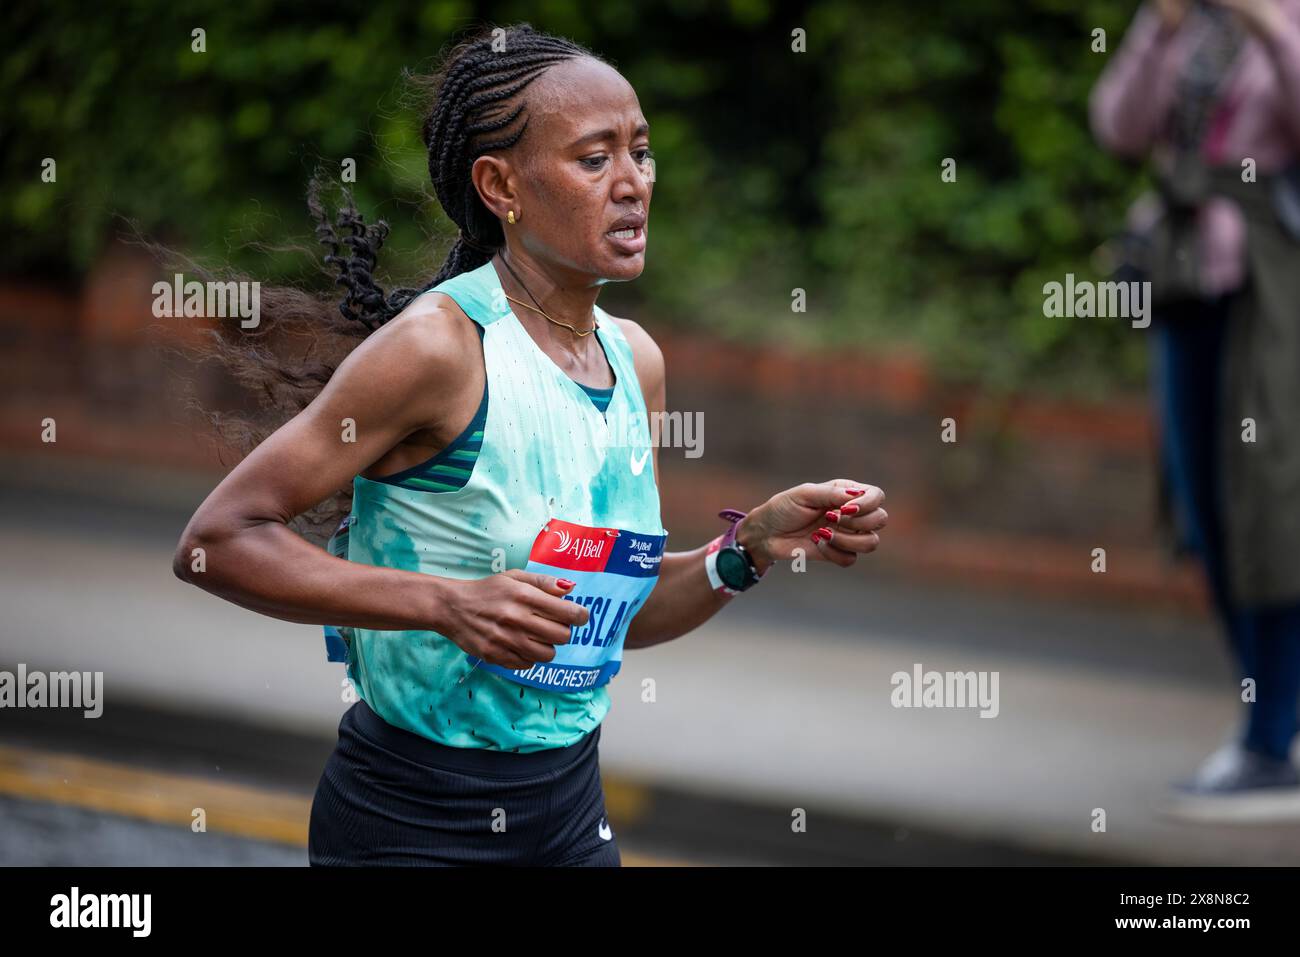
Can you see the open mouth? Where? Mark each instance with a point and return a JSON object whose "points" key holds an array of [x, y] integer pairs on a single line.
{"points": [[629, 240]]}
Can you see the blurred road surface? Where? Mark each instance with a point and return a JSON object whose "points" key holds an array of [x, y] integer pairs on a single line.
{"points": [[780, 703]]}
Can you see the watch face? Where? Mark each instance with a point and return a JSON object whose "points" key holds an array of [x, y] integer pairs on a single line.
{"points": [[732, 568]]}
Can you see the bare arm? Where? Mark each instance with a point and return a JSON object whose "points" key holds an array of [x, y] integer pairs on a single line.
{"points": [[1129, 104], [683, 599], [396, 382]]}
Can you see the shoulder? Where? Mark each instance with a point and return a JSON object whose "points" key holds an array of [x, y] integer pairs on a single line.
{"points": [[647, 357], [431, 334], [426, 354]]}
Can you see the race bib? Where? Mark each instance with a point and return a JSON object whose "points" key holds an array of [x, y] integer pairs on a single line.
{"points": [[615, 571]]}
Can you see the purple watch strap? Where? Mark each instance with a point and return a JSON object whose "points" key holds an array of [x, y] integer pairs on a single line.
{"points": [[734, 515]]}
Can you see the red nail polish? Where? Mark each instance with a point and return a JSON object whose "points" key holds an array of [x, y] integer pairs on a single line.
{"points": [[832, 516], [850, 509], [565, 583], [855, 491], [816, 536], [827, 532]]}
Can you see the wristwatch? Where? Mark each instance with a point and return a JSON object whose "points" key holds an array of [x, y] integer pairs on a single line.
{"points": [[730, 567]]}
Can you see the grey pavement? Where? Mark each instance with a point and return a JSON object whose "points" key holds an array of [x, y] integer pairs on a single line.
{"points": [[784, 698]]}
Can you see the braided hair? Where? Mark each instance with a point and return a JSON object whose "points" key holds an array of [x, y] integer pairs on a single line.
{"points": [[477, 109]]}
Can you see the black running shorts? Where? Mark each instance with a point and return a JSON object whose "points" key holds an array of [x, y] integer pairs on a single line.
{"points": [[390, 797]]}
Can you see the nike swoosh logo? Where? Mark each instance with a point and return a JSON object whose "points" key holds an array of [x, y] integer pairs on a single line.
{"points": [[605, 832], [639, 467]]}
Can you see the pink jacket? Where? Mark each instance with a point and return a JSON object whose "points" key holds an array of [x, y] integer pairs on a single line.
{"points": [[1257, 116]]}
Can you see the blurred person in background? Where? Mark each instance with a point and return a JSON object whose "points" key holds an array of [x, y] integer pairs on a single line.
{"points": [[1209, 92]]}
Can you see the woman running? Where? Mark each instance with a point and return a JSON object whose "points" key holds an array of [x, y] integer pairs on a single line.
{"points": [[504, 544]]}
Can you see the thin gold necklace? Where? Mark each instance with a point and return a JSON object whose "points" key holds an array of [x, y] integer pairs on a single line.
{"points": [[538, 308]]}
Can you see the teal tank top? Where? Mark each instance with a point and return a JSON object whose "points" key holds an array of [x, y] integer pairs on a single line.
{"points": [[451, 468], [551, 470]]}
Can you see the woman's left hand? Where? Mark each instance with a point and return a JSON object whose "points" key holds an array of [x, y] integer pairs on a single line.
{"points": [[841, 517]]}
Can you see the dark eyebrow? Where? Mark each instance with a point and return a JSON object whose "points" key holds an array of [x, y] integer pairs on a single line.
{"points": [[641, 130]]}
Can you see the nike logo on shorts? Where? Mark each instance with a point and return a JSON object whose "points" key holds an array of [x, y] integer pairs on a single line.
{"points": [[604, 830]]}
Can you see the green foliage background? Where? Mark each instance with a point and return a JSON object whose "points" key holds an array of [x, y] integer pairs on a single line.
{"points": [[776, 169]]}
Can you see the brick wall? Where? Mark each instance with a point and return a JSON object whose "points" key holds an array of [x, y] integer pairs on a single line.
{"points": [[1029, 488]]}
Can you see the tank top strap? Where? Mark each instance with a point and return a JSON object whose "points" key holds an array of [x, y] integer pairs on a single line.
{"points": [[478, 292]]}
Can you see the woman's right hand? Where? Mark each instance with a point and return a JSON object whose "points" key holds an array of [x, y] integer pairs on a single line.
{"points": [[513, 619]]}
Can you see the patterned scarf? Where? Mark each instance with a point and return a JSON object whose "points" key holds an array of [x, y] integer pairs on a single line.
{"points": [[1218, 41]]}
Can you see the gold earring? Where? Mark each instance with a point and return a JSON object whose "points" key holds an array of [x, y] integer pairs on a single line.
{"points": [[510, 217]]}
